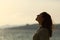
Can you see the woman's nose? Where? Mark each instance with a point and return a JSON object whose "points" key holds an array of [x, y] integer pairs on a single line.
{"points": [[38, 15]]}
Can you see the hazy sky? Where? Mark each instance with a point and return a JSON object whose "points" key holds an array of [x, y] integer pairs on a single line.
{"points": [[19, 12]]}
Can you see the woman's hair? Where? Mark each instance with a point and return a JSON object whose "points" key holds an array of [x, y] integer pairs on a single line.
{"points": [[47, 22]]}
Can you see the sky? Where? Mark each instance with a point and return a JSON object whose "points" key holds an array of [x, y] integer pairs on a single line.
{"points": [[21, 12]]}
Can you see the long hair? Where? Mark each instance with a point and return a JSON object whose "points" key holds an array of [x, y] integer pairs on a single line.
{"points": [[47, 22]]}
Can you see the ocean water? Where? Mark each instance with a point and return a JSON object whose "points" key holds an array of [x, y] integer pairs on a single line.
{"points": [[24, 34]]}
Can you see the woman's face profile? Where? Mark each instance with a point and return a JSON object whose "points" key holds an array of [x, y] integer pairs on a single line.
{"points": [[39, 19]]}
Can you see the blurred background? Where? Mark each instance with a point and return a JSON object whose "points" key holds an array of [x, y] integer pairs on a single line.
{"points": [[18, 16]]}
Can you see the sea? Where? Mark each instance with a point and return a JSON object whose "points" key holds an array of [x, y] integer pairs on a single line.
{"points": [[18, 34]]}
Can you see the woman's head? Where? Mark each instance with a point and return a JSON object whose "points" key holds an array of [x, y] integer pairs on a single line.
{"points": [[45, 20]]}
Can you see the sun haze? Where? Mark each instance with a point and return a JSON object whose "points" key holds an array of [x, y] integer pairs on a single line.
{"points": [[20, 12]]}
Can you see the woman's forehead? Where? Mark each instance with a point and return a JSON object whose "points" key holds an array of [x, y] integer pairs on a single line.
{"points": [[39, 15]]}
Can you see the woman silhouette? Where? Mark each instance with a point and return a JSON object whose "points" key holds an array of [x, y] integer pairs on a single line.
{"points": [[45, 31]]}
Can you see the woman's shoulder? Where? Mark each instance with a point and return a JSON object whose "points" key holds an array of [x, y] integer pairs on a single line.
{"points": [[43, 30]]}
